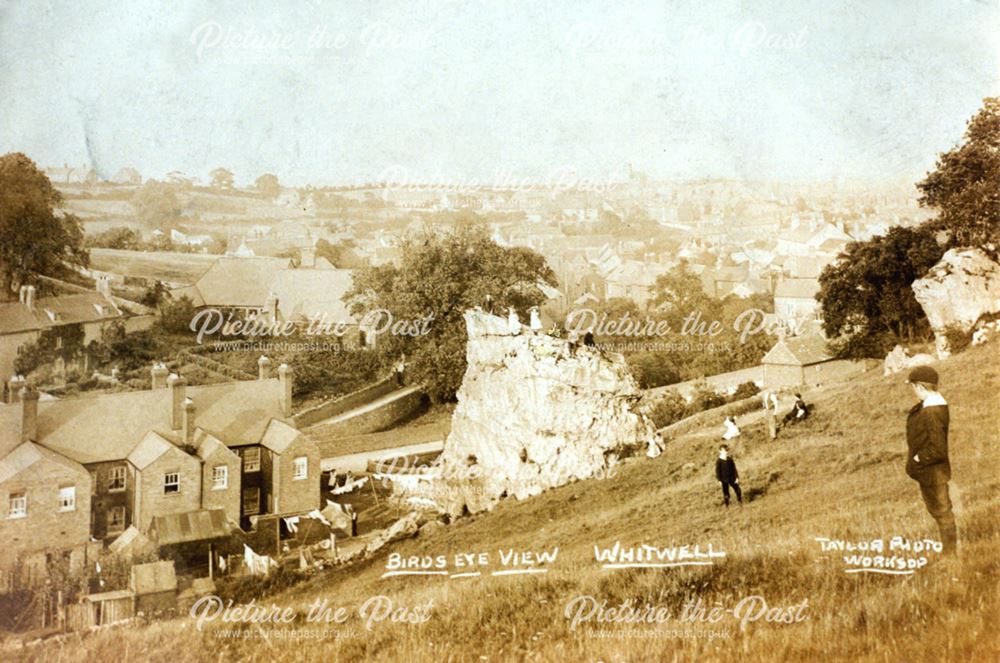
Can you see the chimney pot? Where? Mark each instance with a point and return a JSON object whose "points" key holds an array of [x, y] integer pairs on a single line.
{"points": [[263, 368], [159, 374]]}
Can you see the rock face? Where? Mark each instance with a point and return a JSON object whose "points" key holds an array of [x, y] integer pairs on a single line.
{"points": [[962, 288], [534, 412], [898, 360]]}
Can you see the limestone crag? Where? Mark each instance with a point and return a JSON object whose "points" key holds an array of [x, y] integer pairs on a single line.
{"points": [[534, 412], [957, 292]]}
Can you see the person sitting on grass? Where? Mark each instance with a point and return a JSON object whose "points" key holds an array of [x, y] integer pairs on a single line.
{"points": [[798, 412]]}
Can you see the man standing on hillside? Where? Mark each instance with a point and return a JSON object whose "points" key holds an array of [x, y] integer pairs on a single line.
{"points": [[927, 451], [725, 472]]}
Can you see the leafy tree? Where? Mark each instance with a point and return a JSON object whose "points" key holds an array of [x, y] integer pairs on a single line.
{"points": [[156, 204], [679, 293], [154, 295], [121, 237], [865, 295], [965, 186], [222, 178], [267, 184], [33, 239], [440, 276], [176, 315]]}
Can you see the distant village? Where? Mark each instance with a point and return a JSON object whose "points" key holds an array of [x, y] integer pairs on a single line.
{"points": [[154, 459]]}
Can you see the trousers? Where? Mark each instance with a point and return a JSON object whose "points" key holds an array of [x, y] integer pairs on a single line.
{"points": [[938, 503], [736, 489]]}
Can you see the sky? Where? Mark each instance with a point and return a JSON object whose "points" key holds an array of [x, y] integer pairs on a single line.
{"points": [[486, 92]]}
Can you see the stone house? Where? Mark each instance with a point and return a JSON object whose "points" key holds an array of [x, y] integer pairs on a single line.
{"points": [[44, 503], [24, 321], [169, 450]]}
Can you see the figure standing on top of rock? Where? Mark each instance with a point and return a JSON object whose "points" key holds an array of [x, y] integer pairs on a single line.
{"points": [[536, 320], [488, 304], [927, 451], [513, 322], [726, 474], [588, 339], [400, 368]]}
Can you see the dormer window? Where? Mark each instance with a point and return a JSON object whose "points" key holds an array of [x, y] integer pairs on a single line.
{"points": [[52, 315], [99, 309]]}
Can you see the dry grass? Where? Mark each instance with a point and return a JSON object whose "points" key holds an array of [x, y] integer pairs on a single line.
{"points": [[839, 476]]}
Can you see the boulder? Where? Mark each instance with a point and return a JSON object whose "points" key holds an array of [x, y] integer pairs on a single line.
{"points": [[534, 412], [962, 288], [900, 360]]}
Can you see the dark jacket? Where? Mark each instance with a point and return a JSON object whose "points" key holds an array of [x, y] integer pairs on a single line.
{"points": [[927, 437], [725, 470]]}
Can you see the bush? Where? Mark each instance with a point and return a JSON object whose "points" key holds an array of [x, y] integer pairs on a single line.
{"points": [[745, 390], [668, 409]]}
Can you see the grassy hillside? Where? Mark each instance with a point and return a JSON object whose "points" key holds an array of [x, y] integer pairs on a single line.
{"points": [[839, 475]]}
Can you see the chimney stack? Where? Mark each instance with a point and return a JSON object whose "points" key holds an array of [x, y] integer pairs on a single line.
{"points": [[29, 414], [188, 425], [28, 296], [285, 380], [14, 387], [159, 373], [177, 386], [263, 368]]}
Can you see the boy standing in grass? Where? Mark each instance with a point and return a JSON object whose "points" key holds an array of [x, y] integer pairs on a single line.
{"points": [[927, 451], [725, 472]]}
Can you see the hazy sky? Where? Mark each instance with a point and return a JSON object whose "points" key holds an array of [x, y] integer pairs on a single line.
{"points": [[347, 91]]}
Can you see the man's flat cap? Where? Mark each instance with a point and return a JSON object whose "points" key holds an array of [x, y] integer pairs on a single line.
{"points": [[924, 374]]}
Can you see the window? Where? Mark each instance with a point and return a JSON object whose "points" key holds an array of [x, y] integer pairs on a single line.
{"points": [[171, 483], [251, 459], [18, 506], [116, 519], [300, 468], [116, 483], [251, 501], [220, 477], [67, 498]]}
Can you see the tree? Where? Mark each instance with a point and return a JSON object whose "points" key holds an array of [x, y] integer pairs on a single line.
{"points": [[440, 276], [965, 186], [33, 239], [679, 293], [865, 295], [176, 315], [267, 184], [156, 204], [121, 237], [222, 178]]}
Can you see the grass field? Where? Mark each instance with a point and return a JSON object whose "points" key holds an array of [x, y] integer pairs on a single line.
{"points": [[839, 475]]}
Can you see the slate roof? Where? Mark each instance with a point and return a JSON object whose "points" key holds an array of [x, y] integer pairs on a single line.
{"points": [[798, 351], [308, 293], [107, 427], [66, 309], [243, 282], [278, 436], [27, 454]]}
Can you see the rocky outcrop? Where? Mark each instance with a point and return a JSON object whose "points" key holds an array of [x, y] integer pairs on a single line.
{"points": [[900, 360], [957, 292], [534, 412]]}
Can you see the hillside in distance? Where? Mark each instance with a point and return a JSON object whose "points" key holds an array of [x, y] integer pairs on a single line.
{"points": [[839, 475]]}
